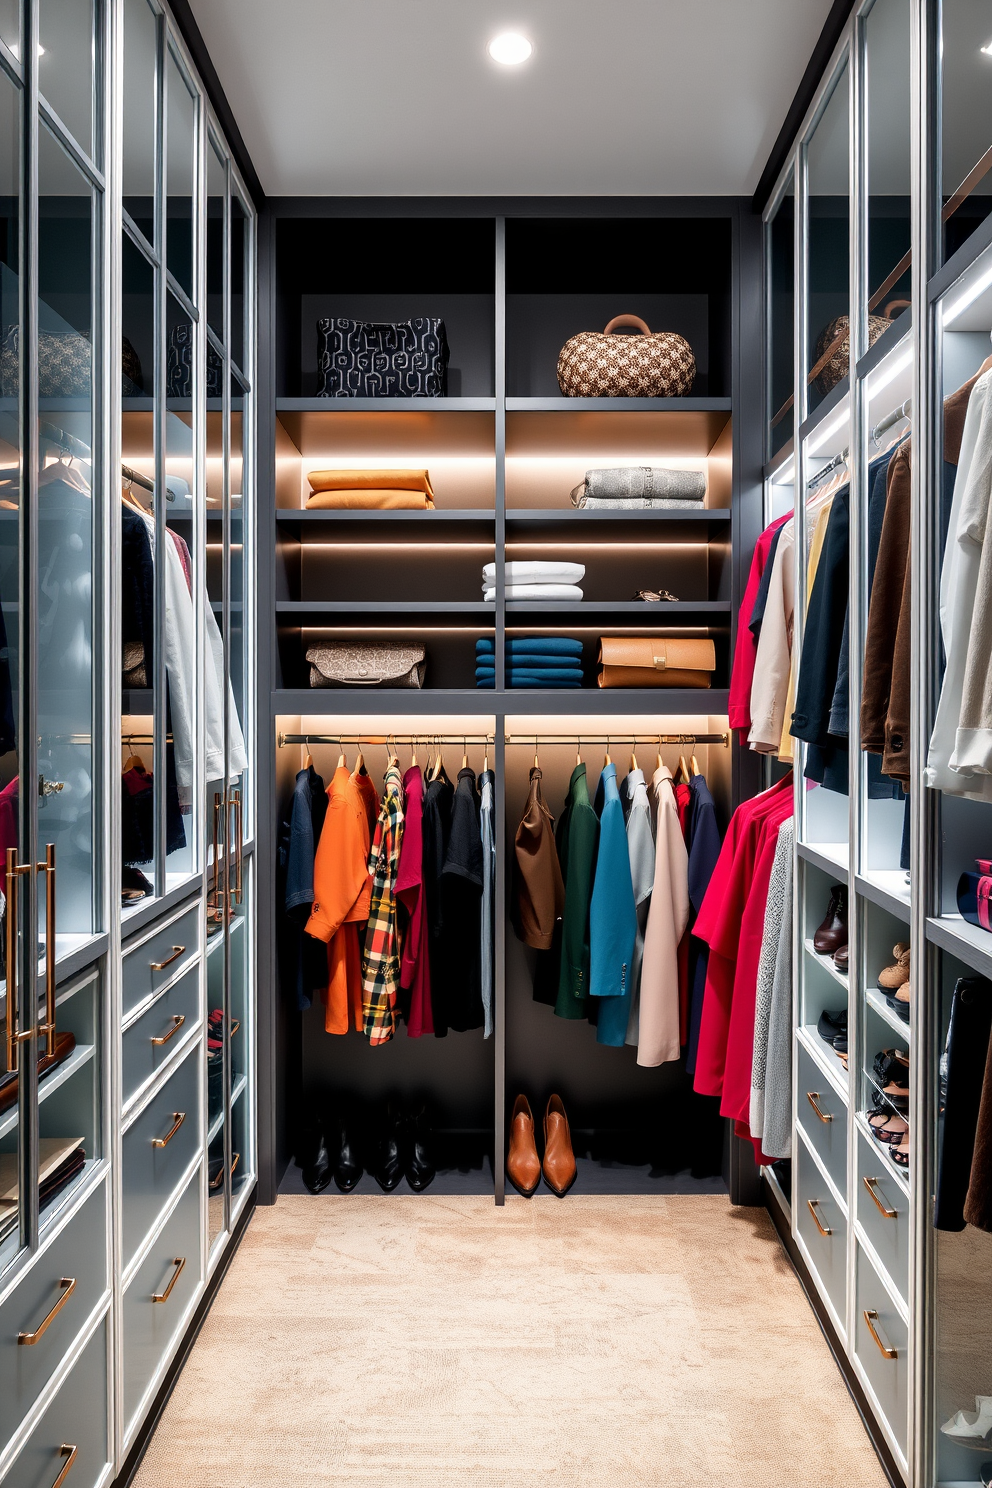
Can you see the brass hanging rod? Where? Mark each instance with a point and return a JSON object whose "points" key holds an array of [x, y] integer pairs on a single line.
{"points": [[426, 737], [616, 737]]}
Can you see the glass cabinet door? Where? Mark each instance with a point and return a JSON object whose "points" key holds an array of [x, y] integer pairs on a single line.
{"points": [[52, 386], [828, 249]]}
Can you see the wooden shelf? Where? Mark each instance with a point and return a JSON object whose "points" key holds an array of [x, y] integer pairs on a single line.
{"points": [[684, 427], [560, 525], [618, 405], [645, 613], [410, 526], [829, 857], [366, 611], [385, 405]]}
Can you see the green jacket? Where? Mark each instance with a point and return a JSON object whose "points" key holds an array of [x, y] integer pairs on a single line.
{"points": [[577, 840]]}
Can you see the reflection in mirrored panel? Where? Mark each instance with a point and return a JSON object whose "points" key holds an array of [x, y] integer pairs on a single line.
{"points": [[10, 611], [140, 52], [216, 205], [240, 269], [887, 51], [10, 25], [828, 169], [180, 152], [780, 248], [237, 634], [66, 64], [180, 572], [138, 675], [66, 527], [966, 119]]}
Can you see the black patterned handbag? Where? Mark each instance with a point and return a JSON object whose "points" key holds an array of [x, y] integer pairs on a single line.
{"points": [[365, 359], [179, 371]]}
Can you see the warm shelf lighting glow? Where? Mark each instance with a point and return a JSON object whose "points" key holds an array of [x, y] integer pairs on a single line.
{"points": [[509, 48]]}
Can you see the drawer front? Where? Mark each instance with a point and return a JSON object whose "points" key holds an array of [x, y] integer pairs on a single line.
{"points": [[827, 1131], [78, 1253], [884, 1218], [889, 1377], [151, 1174], [149, 1042], [77, 1418], [153, 962], [828, 1252], [150, 1328]]}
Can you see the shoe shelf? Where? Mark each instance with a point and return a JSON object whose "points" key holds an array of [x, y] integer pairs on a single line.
{"points": [[80, 1055], [825, 1057], [886, 887], [831, 857], [969, 943], [216, 1126], [899, 1175], [876, 1000], [828, 964]]}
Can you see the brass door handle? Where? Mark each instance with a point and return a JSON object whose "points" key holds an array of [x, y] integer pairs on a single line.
{"points": [[871, 1318], [48, 1027], [161, 965], [870, 1186], [65, 1450], [15, 1036], [68, 1285], [179, 1263], [811, 1096], [811, 1205], [178, 1117], [178, 1019]]}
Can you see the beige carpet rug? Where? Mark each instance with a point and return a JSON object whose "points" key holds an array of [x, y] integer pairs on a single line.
{"points": [[585, 1343]]}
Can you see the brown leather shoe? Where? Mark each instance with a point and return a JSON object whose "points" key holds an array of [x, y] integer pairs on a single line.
{"points": [[559, 1160], [523, 1166], [832, 931]]}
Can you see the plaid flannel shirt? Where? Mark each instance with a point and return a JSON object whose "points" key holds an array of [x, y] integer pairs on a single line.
{"points": [[381, 957]]}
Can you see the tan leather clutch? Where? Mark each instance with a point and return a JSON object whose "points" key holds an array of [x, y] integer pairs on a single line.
{"points": [[655, 661]]}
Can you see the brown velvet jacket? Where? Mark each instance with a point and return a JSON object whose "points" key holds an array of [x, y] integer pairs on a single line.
{"points": [[886, 683], [538, 898]]}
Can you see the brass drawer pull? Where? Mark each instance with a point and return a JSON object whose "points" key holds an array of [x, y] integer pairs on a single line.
{"points": [[811, 1205], [178, 1019], [871, 1318], [179, 1263], [178, 1117], [68, 1285], [811, 1096], [161, 965], [65, 1450], [870, 1186]]}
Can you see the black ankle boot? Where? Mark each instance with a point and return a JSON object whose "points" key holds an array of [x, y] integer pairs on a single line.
{"points": [[344, 1159], [317, 1164], [389, 1159], [420, 1166]]}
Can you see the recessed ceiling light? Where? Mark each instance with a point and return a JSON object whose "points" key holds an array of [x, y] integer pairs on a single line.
{"points": [[987, 49], [510, 48]]}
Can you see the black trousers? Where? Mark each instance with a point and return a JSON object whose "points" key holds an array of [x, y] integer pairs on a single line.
{"points": [[966, 1052]]}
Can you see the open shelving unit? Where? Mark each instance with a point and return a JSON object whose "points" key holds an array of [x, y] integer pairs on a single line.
{"points": [[504, 450]]}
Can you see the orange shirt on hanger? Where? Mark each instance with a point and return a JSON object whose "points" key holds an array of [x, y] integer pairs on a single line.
{"points": [[342, 893]]}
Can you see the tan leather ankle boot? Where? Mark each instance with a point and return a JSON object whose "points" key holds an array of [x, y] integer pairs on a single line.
{"points": [[523, 1166], [559, 1160]]}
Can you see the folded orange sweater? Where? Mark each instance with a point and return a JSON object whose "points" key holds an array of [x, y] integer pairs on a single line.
{"points": [[371, 480], [369, 500]]}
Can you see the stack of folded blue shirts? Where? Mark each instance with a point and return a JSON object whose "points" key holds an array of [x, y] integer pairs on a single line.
{"points": [[531, 661]]}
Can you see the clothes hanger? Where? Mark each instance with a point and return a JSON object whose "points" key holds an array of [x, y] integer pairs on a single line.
{"points": [[578, 752], [633, 755], [693, 762], [342, 757], [439, 762], [308, 761], [485, 761], [413, 754], [660, 760], [394, 762], [683, 767], [464, 754], [359, 763], [537, 761], [606, 758]]}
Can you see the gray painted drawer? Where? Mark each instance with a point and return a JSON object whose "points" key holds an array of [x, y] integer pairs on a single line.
{"points": [[159, 950], [827, 1252], [151, 1174], [827, 1131], [889, 1377], [79, 1417], [170, 1017], [150, 1327], [78, 1252], [888, 1231]]}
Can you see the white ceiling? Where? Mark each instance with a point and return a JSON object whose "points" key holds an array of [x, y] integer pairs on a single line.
{"points": [[620, 97]]}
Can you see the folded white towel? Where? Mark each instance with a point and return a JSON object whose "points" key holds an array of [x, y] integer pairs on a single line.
{"points": [[537, 591], [538, 573]]}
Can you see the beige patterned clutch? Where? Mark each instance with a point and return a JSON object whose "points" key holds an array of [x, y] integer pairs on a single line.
{"points": [[352, 664]]}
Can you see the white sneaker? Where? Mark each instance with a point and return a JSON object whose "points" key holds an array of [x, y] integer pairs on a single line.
{"points": [[969, 1427]]}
